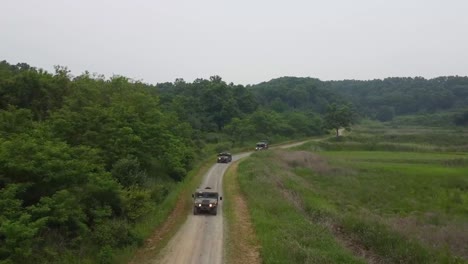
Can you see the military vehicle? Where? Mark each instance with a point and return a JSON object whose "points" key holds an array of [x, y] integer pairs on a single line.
{"points": [[262, 145], [224, 157], [206, 201]]}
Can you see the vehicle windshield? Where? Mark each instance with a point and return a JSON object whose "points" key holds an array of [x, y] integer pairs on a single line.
{"points": [[260, 144], [206, 195], [223, 154]]}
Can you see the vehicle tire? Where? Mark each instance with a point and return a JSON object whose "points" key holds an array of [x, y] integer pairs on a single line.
{"points": [[215, 211], [195, 210]]}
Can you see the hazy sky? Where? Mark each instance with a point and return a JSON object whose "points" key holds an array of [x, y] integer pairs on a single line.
{"points": [[243, 41]]}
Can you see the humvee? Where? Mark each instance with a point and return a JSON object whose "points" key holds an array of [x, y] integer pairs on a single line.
{"points": [[224, 157], [206, 201], [261, 145]]}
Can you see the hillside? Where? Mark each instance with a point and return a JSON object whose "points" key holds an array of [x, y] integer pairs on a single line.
{"points": [[376, 99]]}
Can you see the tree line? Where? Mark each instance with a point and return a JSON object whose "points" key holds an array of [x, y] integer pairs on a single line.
{"points": [[377, 99], [390, 97]]}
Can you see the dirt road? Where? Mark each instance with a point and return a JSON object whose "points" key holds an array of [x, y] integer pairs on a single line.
{"points": [[200, 240]]}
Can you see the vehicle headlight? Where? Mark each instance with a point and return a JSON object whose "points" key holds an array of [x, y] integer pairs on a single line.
{"points": [[211, 205], [199, 205]]}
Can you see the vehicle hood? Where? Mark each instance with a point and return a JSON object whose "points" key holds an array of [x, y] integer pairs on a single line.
{"points": [[205, 200]]}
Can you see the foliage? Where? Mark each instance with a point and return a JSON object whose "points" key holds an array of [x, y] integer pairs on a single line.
{"points": [[462, 119], [291, 93], [376, 99], [208, 105], [337, 117], [404, 95], [82, 159], [267, 124], [385, 113]]}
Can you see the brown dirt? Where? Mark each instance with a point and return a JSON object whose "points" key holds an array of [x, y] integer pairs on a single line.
{"points": [[243, 246]]}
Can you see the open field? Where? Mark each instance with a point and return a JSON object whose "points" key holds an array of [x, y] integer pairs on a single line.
{"points": [[376, 196]]}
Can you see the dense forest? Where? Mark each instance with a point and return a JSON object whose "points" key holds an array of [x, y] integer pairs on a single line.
{"points": [[84, 158], [374, 99], [382, 99]]}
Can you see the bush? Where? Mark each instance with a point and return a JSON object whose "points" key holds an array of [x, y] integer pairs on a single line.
{"points": [[114, 233], [136, 203], [127, 172]]}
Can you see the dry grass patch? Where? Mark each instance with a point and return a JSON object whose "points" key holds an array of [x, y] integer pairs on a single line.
{"points": [[355, 246], [453, 236], [304, 159]]}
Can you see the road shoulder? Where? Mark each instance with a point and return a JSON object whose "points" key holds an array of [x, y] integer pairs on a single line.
{"points": [[242, 244]]}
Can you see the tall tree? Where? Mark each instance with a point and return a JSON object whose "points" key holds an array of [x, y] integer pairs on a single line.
{"points": [[337, 117]]}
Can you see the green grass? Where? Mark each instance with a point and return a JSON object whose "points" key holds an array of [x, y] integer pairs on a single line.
{"points": [[398, 182], [286, 236], [398, 204]]}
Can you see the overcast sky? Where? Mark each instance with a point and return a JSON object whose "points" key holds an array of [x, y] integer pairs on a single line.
{"points": [[243, 41]]}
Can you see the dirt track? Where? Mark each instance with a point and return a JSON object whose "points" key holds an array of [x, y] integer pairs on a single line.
{"points": [[201, 238]]}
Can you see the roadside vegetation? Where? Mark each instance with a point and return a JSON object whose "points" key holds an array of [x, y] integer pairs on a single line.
{"points": [[378, 195], [167, 220]]}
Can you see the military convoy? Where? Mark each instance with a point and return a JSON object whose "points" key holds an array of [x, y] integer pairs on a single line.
{"points": [[206, 201]]}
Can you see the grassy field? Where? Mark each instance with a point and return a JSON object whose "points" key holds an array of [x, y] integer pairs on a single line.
{"points": [[396, 195]]}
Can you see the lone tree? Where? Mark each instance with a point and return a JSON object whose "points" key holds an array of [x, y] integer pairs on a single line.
{"points": [[337, 117]]}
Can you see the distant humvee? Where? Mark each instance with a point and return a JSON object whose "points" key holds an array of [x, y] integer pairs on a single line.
{"points": [[261, 145], [224, 157]]}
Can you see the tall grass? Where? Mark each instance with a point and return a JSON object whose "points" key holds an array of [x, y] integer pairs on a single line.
{"points": [[286, 236], [388, 204]]}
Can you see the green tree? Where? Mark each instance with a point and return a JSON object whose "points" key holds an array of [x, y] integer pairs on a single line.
{"points": [[337, 117]]}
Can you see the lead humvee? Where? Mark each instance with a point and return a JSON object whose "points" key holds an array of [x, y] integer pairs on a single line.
{"points": [[206, 201]]}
